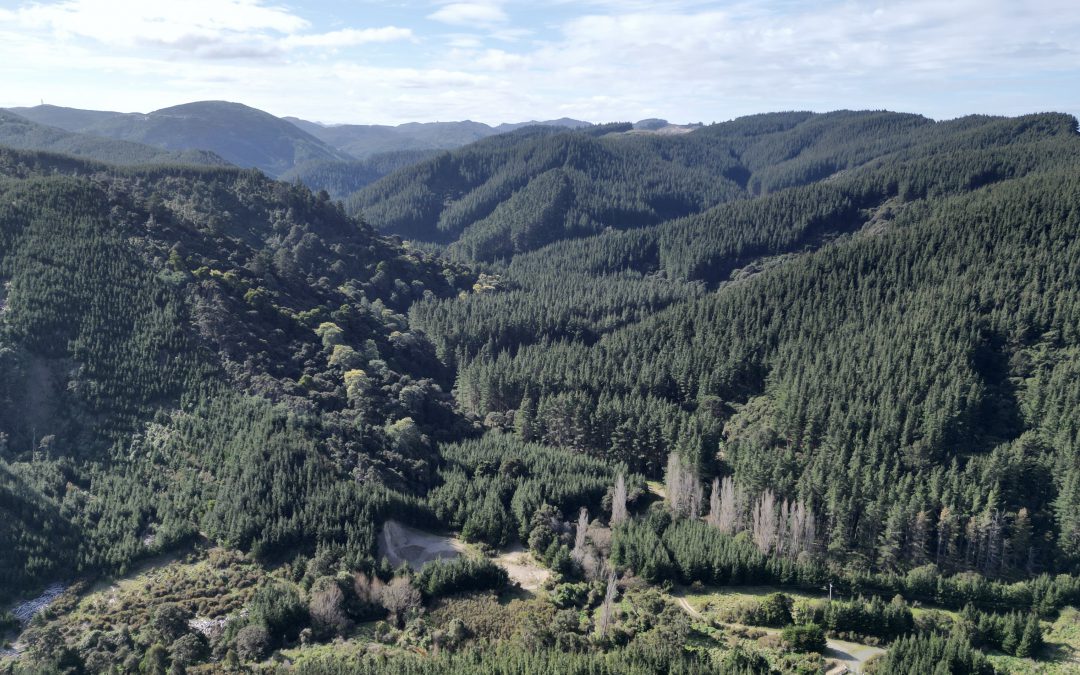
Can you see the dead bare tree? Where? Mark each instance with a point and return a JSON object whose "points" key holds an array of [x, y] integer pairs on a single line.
{"points": [[618, 501], [399, 597], [782, 541], [714, 504], [684, 490], [732, 507], [803, 529], [697, 493], [673, 482], [368, 589], [327, 608], [607, 610], [578, 553], [764, 522]]}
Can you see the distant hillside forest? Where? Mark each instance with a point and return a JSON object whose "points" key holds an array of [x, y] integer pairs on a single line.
{"points": [[792, 350]]}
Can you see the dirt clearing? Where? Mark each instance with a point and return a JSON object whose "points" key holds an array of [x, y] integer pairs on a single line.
{"points": [[523, 568], [400, 543]]}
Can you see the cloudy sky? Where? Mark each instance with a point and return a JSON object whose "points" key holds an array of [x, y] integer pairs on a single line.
{"points": [[509, 60]]}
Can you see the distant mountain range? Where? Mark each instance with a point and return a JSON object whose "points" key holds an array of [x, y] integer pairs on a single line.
{"points": [[364, 140], [21, 133], [239, 135]]}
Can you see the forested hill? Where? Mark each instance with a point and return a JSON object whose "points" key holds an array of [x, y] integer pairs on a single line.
{"points": [[522, 190], [21, 133], [896, 345], [150, 319], [848, 344], [364, 140], [69, 119], [242, 135], [342, 178], [518, 192]]}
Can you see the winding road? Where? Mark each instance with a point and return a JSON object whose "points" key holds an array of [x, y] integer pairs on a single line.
{"points": [[850, 654]]}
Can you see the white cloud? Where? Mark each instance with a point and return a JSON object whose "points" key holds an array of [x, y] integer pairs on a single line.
{"points": [[464, 41], [687, 60], [349, 37], [499, 60], [480, 14], [210, 29], [130, 22]]}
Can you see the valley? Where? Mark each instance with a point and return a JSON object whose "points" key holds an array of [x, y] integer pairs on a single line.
{"points": [[571, 398]]}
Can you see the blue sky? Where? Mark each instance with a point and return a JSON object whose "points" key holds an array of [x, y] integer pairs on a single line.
{"points": [[510, 60]]}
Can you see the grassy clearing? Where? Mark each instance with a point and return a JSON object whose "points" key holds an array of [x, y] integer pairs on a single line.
{"points": [[1062, 636], [1062, 653], [708, 599], [719, 598]]}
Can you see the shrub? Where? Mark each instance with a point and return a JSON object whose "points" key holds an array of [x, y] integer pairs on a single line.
{"points": [[327, 607], [570, 595], [808, 637], [442, 577], [775, 610], [279, 608], [189, 649], [252, 642]]}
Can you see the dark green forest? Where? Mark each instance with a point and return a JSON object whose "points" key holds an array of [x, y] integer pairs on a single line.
{"points": [[792, 351]]}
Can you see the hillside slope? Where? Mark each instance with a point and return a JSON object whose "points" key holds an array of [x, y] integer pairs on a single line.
{"points": [[69, 119], [20, 133], [342, 178], [892, 344], [365, 140], [171, 335], [517, 192], [242, 135], [848, 344]]}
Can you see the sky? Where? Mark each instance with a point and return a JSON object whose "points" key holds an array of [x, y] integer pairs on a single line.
{"points": [[365, 62]]}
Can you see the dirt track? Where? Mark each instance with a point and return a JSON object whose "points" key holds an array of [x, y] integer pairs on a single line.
{"points": [[849, 654]]}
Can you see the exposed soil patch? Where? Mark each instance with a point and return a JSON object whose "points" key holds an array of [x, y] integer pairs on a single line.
{"points": [[400, 543], [523, 568]]}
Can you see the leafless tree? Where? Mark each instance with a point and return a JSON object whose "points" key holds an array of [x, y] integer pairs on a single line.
{"points": [[697, 493], [600, 540], [764, 522], [918, 536], [368, 589], [618, 501], [684, 491], [947, 532], [803, 529], [731, 508], [992, 525], [399, 597], [714, 504], [608, 608], [579, 536], [327, 608]]}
